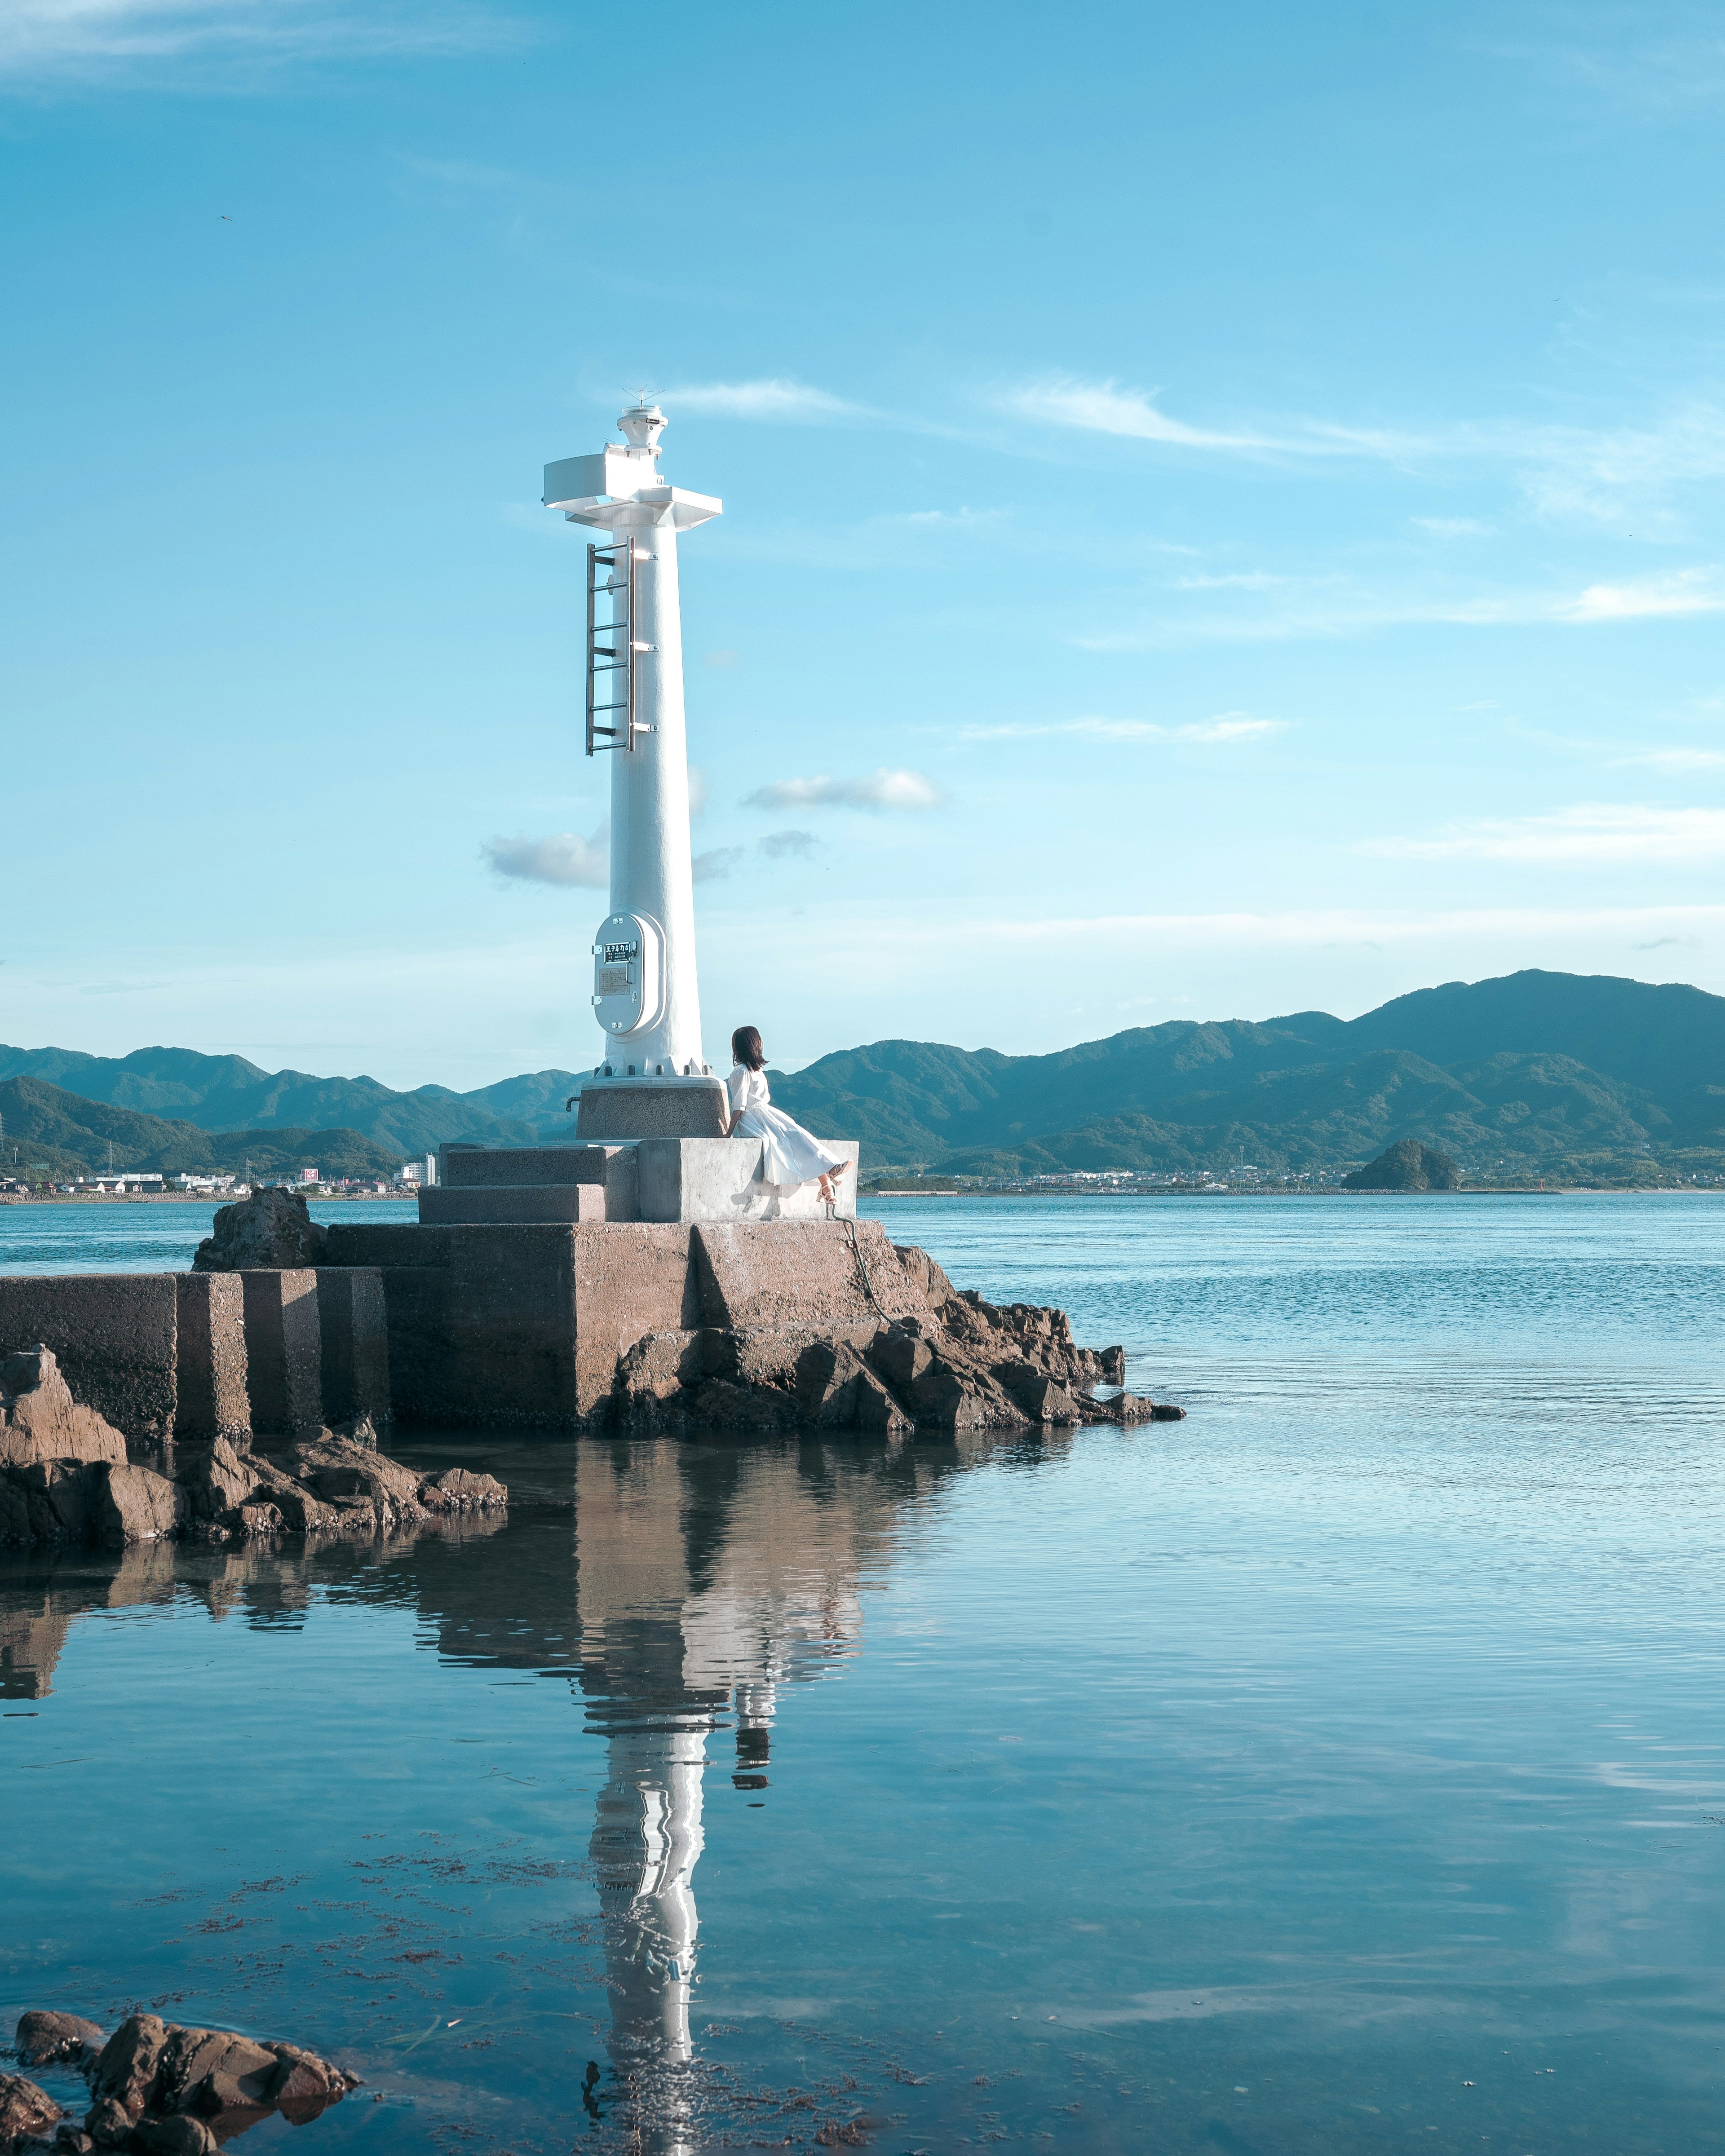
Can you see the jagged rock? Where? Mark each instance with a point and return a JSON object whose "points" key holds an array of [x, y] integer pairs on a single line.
{"points": [[25, 2111], [211, 2070], [756, 1407], [900, 1355], [40, 1419], [358, 1430], [271, 1229], [460, 1489], [126, 2066], [925, 1275], [108, 2123], [215, 1478], [47, 2039], [1043, 1397], [173, 2136], [72, 2140], [837, 1390], [134, 1505], [306, 2084]]}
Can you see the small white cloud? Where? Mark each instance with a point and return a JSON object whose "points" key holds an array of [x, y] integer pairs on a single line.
{"points": [[697, 789], [1670, 943], [788, 846], [561, 858], [723, 658], [774, 398], [1691, 591], [1453, 527], [882, 789], [1598, 833], [1230, 726], [712, 867]]}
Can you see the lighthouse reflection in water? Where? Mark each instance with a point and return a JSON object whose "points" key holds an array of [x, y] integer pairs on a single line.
{"points": [[701, 1585]]}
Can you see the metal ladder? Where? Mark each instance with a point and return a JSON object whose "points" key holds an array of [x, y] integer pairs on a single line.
{"points": [[610, 647]]}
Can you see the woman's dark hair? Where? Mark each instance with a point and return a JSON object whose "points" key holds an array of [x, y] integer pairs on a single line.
{"points": [[746, 1047]]}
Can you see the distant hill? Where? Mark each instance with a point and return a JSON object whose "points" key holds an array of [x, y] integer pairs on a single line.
{"points": [[47, 1126], [1533, 1071], [1529, 1071], [226, 1093]]}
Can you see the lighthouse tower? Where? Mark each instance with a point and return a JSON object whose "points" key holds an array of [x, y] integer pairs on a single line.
{"points": [[653, 1082]]}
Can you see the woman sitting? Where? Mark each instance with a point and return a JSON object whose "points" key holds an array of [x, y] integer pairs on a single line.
{"points": [[792, 1156]]}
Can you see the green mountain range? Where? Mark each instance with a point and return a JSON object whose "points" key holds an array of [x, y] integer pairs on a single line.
{"points": [[1532, 1073], [226, 1093], [49, 1132]]}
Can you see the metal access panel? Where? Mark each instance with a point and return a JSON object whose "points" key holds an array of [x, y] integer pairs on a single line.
{"points": [[610, 646], [627, 974]]}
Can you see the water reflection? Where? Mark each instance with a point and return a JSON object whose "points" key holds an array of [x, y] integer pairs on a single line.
{"points": [[689, 1587]]}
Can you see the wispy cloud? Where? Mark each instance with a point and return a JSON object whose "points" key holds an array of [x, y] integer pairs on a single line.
{"points": [[882, 789], [714, 866], [1230, 726], [1105, 408], [74, 37], [1322, 606], [772, 398], [561, 858], [788, 846], [1592, 833], [1453, 527]]}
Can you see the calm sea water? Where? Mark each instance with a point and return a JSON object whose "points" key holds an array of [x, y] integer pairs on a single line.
{"points": [[1340, 1769]]}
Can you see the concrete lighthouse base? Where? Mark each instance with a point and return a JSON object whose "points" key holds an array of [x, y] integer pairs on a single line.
{"points": [[611, 1109]]}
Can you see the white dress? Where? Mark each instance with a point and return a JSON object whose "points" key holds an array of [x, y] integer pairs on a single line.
{"points": [[791, 1155]]}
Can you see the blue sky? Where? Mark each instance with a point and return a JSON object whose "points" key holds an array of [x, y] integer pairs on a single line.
{"points": [[1221, 511]]}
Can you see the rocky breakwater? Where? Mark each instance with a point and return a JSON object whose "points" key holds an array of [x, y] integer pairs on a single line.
{"points": [[931, 1359], [65, 1477], [158, 2088]]}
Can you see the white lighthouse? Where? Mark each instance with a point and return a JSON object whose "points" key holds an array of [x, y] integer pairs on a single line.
{"points": [[653, 1082]]}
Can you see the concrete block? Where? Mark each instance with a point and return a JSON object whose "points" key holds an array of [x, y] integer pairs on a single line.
{"points": [[465, 1168], [509, 1326], [720, 1179], [415, 1300], [354, 1357], [211, 1398], [283, 1350], [113, 1336], [665, 1108], [824, 1275], [631, 1278], [366, 1243], [569, 1204]]}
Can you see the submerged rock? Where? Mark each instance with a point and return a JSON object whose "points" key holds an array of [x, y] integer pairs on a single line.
{"points": [[153, 2084], [271, 1229], [222, 1492], [25, 2111], [50, 2040]]}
